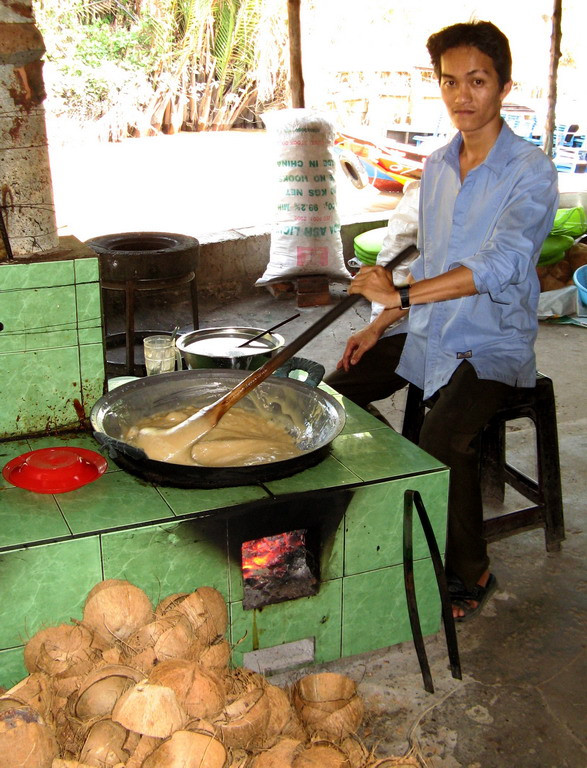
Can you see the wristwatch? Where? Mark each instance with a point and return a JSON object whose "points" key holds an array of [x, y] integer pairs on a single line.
{"points": [[404, 296]]}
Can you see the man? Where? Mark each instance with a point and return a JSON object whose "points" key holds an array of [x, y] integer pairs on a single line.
{"points": [[464, 327]]}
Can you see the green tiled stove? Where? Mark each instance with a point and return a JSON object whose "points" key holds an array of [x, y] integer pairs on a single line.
{"points": [[54, 548]]}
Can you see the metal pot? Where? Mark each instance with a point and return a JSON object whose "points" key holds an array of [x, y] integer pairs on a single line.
{"points": [[313, 416], [219, 348]]}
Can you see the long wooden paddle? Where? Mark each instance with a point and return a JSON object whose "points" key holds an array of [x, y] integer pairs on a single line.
{"points": [[170, 442]]}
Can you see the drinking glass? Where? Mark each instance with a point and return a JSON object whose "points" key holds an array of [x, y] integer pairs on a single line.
{"points": [[161, 355]]}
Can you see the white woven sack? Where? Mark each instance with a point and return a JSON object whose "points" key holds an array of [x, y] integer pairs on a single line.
{"points": [[305, 238]]}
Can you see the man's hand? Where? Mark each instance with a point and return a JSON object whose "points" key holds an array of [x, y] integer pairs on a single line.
{"points": [[357, 345], [376, 284]]}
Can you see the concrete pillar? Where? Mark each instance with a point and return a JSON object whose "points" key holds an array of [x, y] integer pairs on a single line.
{"points": [[26, 193]]}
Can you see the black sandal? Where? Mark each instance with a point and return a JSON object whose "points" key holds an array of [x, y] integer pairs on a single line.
{"points": [[463, 597]]}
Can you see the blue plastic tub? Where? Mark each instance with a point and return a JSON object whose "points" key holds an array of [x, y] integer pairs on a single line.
{"points": [[580, 280]]}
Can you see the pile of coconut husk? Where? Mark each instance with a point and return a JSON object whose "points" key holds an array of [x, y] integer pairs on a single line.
{"points": [[132, 686], [555, 276]]}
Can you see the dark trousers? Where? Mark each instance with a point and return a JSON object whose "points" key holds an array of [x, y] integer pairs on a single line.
{"points": [[451, 433]]}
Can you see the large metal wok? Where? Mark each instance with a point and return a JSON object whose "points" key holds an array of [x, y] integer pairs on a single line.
{"points": [[311, 415]]}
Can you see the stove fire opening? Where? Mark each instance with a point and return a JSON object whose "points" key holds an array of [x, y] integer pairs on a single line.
{"points": [[279, 568]]}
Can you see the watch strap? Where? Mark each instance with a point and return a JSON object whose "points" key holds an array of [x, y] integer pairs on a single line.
{"points": [[404, 296]]}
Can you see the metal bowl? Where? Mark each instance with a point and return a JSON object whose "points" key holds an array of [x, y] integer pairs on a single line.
{"points": [[311, 415], [219, 348]]}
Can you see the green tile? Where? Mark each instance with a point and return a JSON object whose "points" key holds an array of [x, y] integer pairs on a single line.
{"points": [[374, 521], [89, 312], [43, 386], [90, 335], [187, 501], [12, 668], [87, 270], [45, 585], [114, 500], [41, 318], [26, 516], [169, 558], [381, 454], [329, 473], [318, 616], [35, 275], [375, 613], [93, 376]]}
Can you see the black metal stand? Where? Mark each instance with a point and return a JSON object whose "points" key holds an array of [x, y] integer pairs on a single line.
{"points": [[411, 498]]}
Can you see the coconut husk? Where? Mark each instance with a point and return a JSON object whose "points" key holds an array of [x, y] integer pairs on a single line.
{"points": [[199, 692], [294, 729], [216, 657], [60, 651], [115, 609], [238, 758], [132, 741], [143, 661], [34, 691], [243, 722], [25, 739], [144, 748], [341, 723], [204, 623], [170, 637], [280, 755], [64, 687], [326, 691], [280, 713], [169, 603], [240, 680], [216, 607], [104, 745], [151, 710], [188, 750], [101, 689], [395, 762], [112, 656], [322, 754], [69, 730], [356, 751], [328, 705]]}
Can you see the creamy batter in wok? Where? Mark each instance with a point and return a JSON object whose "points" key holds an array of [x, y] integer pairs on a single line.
{"points": [[241, 438]]}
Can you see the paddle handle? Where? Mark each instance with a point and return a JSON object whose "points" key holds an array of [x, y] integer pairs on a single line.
{"points": [[256, 377]]}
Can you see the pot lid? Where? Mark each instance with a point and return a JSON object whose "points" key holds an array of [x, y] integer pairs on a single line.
{"points": [[55, 470]]}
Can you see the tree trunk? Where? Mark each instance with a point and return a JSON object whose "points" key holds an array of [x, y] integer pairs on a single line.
{"points": [[295, 54], [555, 53]]}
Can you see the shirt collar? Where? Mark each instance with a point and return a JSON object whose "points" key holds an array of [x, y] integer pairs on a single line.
{"points": [[499, 154]]}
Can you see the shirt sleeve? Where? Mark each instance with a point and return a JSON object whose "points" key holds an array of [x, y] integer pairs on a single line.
{"points": [[518, 230]]}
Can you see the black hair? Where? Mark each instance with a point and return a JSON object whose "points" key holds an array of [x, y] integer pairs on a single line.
{"points": [[480, 34]]}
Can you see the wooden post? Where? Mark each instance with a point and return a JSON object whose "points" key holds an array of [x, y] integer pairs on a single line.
{"points": [[296, 82], [555, 53]]}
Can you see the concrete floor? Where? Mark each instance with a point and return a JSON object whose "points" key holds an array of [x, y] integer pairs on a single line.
{"points": [[522, 701]]}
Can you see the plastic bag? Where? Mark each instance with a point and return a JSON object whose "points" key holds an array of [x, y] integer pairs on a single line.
{"points": [[570, 221], [402, 231], [305, 239]]}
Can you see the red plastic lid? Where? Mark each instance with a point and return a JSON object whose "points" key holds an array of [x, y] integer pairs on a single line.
{"points": [[55, 470]]}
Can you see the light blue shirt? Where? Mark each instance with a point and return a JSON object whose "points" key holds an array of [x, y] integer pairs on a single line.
{"points": [[494, 223]]}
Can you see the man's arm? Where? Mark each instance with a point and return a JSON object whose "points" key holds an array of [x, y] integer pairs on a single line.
{"points": [[377, 285]]}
